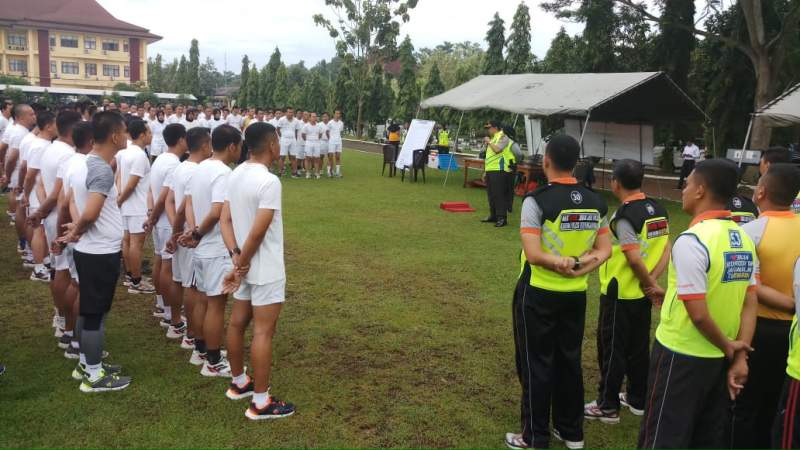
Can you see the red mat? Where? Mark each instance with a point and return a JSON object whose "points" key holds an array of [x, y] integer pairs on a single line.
{"points": [[456, 207]]}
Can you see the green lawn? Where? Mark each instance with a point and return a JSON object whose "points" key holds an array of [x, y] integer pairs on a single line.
{"points": [[396, 332]]}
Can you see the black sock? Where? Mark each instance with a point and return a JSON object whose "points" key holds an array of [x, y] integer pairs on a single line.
{"points": [[136, 280], [200, 345], [214, 356], [189, 336], [129, 274]]}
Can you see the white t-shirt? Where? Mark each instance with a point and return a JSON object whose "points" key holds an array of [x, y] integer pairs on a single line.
{"points": [[336, 127], [179, 181], [16, 134], [313, 132], [6, 134], [201, 116], [174, 118], [4, 123], [160, 173], [235, 121], [189, 125], [54, 160], [300, 125], [133, 161], [35, 153], [324, 129], [273, 122], [287, 128], [25, 149], [104, 236], [75, 174], [206, 187], [157, 146], [252, 187], [691, 152]]}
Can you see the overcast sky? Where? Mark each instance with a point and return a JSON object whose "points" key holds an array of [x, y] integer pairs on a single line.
{"points": [[229, 29]]}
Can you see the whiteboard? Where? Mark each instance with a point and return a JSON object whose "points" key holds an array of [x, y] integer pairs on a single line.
{"points": [[416, 139], [621, 141]]}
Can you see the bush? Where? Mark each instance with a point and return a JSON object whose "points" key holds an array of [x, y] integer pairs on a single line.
{"points": [[15, 95], [146, 96], [10, 79]]}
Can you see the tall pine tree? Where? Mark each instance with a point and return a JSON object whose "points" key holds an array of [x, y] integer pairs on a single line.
{"points": [[562, 57], [408, 92], [598, 35], [519, 58], [676, 42], [269, 73], [182, 77], [280, 94], [155, 74], [243, 81], [494, 63], [193, 70], [253, 80]]}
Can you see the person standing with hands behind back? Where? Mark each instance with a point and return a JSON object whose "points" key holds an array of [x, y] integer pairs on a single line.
{"points": [[497, 168], [690, 154], [564, 237]]}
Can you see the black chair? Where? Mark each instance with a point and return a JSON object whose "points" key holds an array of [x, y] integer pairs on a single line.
{"points": [[389, 157], [419, 160]]}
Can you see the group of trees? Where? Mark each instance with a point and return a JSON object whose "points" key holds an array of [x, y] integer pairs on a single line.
{"points": [[187, 76]]}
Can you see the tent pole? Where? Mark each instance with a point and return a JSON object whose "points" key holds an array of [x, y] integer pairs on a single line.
{"points": [[746, 138], [452, 155], [516, 116], [583, 132]]}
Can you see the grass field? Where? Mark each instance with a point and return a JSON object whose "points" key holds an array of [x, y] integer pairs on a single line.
{"points": [[396, 333]]}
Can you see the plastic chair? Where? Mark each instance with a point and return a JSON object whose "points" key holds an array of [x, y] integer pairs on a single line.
{"points": [[389, 157], [419, 160]]}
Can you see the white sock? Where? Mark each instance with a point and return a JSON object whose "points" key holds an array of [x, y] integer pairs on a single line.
{"points": [[94, 371], [46, 260], [261, 399], [69, 333], [338, 169], [160, 301], [74, 344], [82, 358], [240, 380]]}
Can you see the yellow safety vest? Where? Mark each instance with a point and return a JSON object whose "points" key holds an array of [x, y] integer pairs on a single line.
{"points": [[571, 218], [793, 360], [498, 162], [652, 223], [732, 257], [444, 138]]}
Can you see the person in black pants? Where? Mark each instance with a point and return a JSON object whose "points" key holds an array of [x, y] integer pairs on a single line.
{"points": [[497, 173], [691, 153]]}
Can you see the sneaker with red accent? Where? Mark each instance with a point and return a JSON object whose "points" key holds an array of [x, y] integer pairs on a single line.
{"points": [[197, 358], [187, 343], [623, 400], [592, 411], [221, 369], [235, 392], [275, 409], [514, 441]]}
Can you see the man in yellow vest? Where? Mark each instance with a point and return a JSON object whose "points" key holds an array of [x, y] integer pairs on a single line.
{"points": [[699, 358], [786, 429], [640, 253], [773, 234], [497, 173], [443, 140], [564, 237]]}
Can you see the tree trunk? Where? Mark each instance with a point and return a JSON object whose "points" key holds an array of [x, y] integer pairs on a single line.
{"points": [[359, 116], [765, 85]]}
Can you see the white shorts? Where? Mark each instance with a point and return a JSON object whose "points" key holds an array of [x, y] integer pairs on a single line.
{"points": [[160, 238], [134, 224], [286, 146], [262, 294], [50, 229], [208, 273], [182, 266], [298, 149], [323, 148], [69, 252], [312, 149], [335, 146]]}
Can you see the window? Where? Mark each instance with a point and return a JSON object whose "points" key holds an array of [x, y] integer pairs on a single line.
{"points": [[89, 43], [17, 42], [127, 71], [111, 45], [125, 46], [70, 68], [110, 70], [53, 67], [17, 65], [52, 40], [91, 69], [69, 41]]}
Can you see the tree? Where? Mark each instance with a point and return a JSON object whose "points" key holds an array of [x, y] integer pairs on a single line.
{"points": [[209, 78], [193, 70], [146, 96], [280, 96], [252, 87], [155, 73], [182, 83], [408, 92], [269, 73], [562, 57], [367, 30], [519, 58], [434, 86], [243, 81], [494, 63], [10, 79], [676, 42], [171, 76], [313, 97]]}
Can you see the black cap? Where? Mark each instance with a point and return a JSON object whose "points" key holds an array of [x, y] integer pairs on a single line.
{"points": [[492, 124]]}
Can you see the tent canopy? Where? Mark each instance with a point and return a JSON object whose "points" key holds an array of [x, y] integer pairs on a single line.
{"points": [[784, 111], [613, 97]]}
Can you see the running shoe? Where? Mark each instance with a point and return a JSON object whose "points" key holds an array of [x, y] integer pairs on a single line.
{"points": [[514, 441], [592, 411], [623, 400], [64, 341], [275, 409], [126, 281], [28, 263], [308, 176], [178, 332], [80, 371], [187, 343], [197, 358], [158, 312], [142, 287], [107, 382], [165, 323], [72, 353], [58, 333], [572, 445], [221, 369], [235, 392], [42, 277]]}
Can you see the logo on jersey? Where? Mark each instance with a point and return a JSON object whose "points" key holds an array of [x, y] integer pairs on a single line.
{"points": [[580, 221], [743, 218], [737, 202], [657, 228], [735, 238], [739, 266], [650, 209], [576, 197]]}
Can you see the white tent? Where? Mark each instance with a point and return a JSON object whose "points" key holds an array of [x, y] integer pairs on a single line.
{"points": [[784, 111]]}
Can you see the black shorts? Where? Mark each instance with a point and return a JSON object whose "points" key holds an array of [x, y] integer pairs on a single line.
{"points": [[98, 276]]}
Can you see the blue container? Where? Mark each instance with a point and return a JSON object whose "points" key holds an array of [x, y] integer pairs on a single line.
{"points": [[447, 159]]}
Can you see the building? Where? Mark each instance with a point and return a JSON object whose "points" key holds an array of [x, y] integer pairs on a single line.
{"points": [[70, 43]]}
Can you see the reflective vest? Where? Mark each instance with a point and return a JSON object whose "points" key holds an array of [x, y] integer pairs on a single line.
{"points": [[793, 360], [651, 223], [732, 257], [444, 138], [743, 209], [498, 162], [572, 216]]}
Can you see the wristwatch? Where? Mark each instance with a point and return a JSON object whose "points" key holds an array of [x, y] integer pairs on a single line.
{"points": [[577, 265]]}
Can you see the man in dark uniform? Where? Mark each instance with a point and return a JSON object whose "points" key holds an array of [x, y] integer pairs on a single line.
{"points": [[497, 168]]}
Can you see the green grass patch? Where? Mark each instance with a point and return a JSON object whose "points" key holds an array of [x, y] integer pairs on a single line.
{"points": [[396, 333]]}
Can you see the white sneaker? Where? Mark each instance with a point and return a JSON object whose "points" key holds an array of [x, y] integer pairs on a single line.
{"points": [[42, 277], [197, 358], [176, 333], [514, 441], [572, 445], [187, 344], [308, 176], [59, 332], [623, 400], [221, 369]]}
